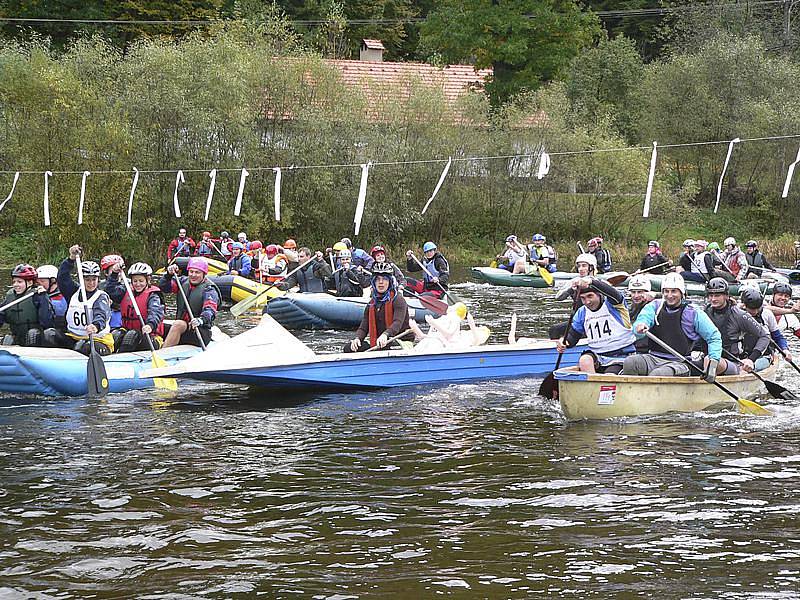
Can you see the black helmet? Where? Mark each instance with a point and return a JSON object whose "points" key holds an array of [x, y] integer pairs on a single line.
{"points": [[717, 285], [782, 288], [383, 268], [752, 297], [347, 242]]}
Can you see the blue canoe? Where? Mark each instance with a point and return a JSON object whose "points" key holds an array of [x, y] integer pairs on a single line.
{"points": [[325, 311], [60, 372], [268, 356]]}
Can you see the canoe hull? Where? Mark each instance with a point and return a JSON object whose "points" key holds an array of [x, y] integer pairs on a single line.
{"points": [[58, 372], [502, 277], [592, 396]]}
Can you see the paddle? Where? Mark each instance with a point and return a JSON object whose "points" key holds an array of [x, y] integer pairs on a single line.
{"points": [[189, 310], [389, 341], [214, 246], [783, 354], [747, 407], [158, 362], [775, 390], [452, 297], [243, 306], [17, 301], [433, 304], [177, 253], [548, 386], [96, 377]]}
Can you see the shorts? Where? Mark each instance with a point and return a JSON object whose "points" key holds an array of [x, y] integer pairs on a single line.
{"points": [[606, 363]]}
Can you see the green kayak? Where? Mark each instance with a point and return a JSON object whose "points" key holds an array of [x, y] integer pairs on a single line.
{"points": [[503, 277]]}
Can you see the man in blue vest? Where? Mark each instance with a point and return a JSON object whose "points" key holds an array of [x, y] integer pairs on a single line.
{"points": [[240, 263]]}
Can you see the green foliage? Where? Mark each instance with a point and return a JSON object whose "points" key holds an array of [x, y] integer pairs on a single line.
{"points": [[526, 42]]}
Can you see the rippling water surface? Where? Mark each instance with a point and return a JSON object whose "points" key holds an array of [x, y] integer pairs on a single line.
{"points": [[478, 490]]}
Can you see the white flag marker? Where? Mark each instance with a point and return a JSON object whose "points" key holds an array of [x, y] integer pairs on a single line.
{"points": [[362, 197], [278, 175], [789, 175], [13, 187], [438, 185], [650, 177], [133, 191], [179, 179], [544, 165], [47, 176], [213, 176], [238, 208], [83, 197], [724, 169]]}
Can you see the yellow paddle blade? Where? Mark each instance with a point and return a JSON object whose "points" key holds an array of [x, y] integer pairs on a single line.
{"points": [[748, 407], [546, 275], [164, 384]]}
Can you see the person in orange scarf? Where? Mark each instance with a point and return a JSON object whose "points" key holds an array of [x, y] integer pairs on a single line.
{"points": [[385, 316]]}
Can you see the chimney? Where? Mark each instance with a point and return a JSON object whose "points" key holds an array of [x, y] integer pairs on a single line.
{"points": [[371, 51]]}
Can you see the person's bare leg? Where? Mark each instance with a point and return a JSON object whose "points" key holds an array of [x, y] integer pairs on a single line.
{"points": [[176, 330]]}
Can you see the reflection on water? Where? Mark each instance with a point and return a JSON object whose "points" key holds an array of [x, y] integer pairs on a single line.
{"points": [[474, 490]]}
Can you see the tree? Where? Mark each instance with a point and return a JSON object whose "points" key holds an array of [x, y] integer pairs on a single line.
{"points": [[526, 42]]}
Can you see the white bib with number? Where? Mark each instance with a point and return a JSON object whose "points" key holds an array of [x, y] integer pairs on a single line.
{"points": [[604, 331], [76, 314]]}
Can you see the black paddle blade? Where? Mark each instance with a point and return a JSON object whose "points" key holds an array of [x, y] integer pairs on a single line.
{"points": [[549, 387], [778, 391], [96, 378]]}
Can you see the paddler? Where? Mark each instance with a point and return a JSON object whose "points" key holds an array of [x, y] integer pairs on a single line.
{"points": [[242, 238], [539, 255], [204, 300], [291, 253], [239, 263], [755, 258], [514, 253], [225, 242], [274, 264], [602, 256], [605, 321], [753, 304], [685, 259], [311, 277], [358, 256], [110, 266], [46, 277], [654, 261], [385, 316], [347, 281], [734, 324], [436, 271], [586, 265], [680, 325], [206, 247], [701, 268], [150, 301], [182, 245], [785, 313], [77, 332], [640, 290], [379, 254], [735, 261], [29, 318]]}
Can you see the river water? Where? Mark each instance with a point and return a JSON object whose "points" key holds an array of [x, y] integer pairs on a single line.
{"points": [[467, 491]]}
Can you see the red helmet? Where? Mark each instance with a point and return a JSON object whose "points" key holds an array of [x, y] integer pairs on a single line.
{"points": [[271, 250], [256, 245], [109, 260], [376, 250], [26, 272]]}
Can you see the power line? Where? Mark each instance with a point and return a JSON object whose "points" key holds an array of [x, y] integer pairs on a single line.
{"points": [[603, 15]]}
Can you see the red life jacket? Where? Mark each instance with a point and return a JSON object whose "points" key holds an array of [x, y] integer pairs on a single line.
{"points": [[388, 317], [129, 318], [733, 264]]}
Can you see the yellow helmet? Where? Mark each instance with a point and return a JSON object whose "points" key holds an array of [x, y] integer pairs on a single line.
{"points": [[461, 310], [339, 246]]}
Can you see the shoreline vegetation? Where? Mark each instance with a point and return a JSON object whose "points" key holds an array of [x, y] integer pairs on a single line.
{"points": [[253, 94]]}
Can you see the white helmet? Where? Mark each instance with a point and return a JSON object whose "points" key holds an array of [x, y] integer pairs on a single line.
{"points": [[587, 258], [344, 254], [729, 241], [242, 236], [640, 283], [673, 281], [90, 268], [140, 268], [47, 272]]}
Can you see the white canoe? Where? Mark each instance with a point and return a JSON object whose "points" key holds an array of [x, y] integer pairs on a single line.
{"points": [[594, 396]]}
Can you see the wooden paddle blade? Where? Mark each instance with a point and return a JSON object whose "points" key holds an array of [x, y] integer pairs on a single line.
{"points": [[96, 378], [434, 304], [749, 407], [546, 275], [238, 309], [617, 279], [166, 383], [549, 387]]}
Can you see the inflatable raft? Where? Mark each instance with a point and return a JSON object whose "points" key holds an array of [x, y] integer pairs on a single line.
{"points": [[505, 278], [324, 311], [235, 288]]}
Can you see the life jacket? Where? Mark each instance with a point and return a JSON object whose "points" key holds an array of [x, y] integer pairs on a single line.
{"points": [[756, 259], [307, 281], [225, 247], [76, 314], [235, 264], [205, 249], [60, 307], [21, 317], [195, 297], [185, 250], [271, 263], [604, 331], [129, 318], [722, 321], [430, 265], [669, 329], [388, 317], [699, 263], [733, 264], [345, 286]]}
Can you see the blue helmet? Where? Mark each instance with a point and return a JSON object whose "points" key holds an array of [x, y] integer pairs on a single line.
{"points": [[538, 237], [237, 245], [428, 246]]}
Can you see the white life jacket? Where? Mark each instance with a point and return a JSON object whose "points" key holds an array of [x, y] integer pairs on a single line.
{"points": [[699, 263], [604, 331], [76, 313]]}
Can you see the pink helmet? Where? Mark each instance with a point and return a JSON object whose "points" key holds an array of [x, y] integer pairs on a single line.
{"points": [[199, 263]]}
